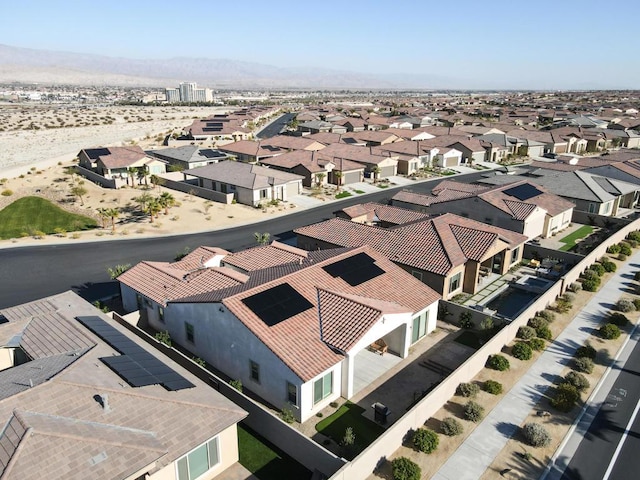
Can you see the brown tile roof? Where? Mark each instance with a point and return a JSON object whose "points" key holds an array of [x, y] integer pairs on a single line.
{"points": [[249, 147], [265, 256], [435, 245], [520, 210], [325, 137], [245, 175], [380, 136], [297, 340], [351, 152], [120, 157], [290, 142], [199, 257], [384, 213], [308, 159]]}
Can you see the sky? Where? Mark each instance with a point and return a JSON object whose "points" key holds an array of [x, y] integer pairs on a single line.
{"points": [[492, 44]]}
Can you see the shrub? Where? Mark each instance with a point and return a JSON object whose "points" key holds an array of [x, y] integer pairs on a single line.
{"points": [[575, 287], [522, 351], [622, 257], [609, 331], [569, 297], [468, 390], [493, 387], [163, 337], [625, 249], [598, 268], [404, 469], [608, 265], [548, 315], [451, 427], [537, 344], [624, 305], [286, 415], [425, 440], [237, 384], [465, 320], [498, 362], [618, 319], [632, 243], [473, 411], [578, 380], [590, 274], [586, 351], [636, 303], [537, 322], [635, 235], [565, 397], [613, 249], [583, 364], [562, 306], [536, 435], [526, 333], [544, 332], [7, 193], [591, 285]]}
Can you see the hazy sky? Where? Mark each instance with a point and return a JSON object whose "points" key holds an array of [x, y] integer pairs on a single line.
{"points": [[496, 43]]}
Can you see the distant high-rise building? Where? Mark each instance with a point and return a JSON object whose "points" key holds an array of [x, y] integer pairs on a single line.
{"points": [[173, 95], [188, 92]]}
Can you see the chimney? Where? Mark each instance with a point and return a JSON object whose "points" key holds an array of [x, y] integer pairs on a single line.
{"points": [[104, 401]]}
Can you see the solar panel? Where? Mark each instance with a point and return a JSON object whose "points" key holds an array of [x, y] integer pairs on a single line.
{"points": [[277, 304], [523, 192], [355, 270], [134, 365]]}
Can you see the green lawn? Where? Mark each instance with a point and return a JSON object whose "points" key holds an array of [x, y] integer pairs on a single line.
{"points": [[570, 240], [350, 415], [343, 195], [34, 214], [265, 460]]}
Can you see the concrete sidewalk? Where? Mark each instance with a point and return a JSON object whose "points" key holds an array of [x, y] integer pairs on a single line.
{"points": [[478, 451]]}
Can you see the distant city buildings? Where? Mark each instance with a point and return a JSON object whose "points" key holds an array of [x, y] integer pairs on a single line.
{"points": [[188, 92]]}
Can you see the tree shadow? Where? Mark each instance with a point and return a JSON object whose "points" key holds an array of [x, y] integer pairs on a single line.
{"points": [[507, 429], [455, 409], [91, 291]]}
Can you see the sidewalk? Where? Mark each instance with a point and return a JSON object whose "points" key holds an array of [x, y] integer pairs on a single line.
{"points": [[478, 451]]}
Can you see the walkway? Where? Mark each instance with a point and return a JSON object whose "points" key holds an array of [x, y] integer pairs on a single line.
{"points": [[481, 447]]}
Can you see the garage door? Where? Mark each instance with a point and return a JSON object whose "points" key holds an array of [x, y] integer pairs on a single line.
{"points": [[351, 177], [450, 161], [387, 171]]}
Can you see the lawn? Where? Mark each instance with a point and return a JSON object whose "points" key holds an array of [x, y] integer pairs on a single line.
{"points": [[264, 460], [343, 195], [28, 215], [570, 240], [350, 415]]}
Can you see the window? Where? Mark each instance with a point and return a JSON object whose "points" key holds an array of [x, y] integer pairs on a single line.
{"points": [[198, 461], [607, 208], [592, 208], [292, 394], [419, 329], [454, 283], [254, 371], [263, 194], [161, 314], [188, 328], [322, 388], [417, 274], [514, 254]]}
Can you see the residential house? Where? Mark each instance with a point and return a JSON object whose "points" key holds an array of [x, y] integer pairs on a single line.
{"points": [[250, 184], [449, 253], [188, 156], [522, 207], [289, 143], [219, 128], [380, 215], [316, 171], [375, 166], [319, 126], [251, 152], [296, 327], [119, 164], [369, 138], [82, 397]]}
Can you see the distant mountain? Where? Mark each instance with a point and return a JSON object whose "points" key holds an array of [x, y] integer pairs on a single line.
{"points": [[45, 66]]}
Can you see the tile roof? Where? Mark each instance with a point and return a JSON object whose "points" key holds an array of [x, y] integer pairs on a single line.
{"points": [[72, 435], [120, 157], [384, 213], [296, 340], [244, 175], [290, 142], [265, 256], [308, 159], [249, 147], [351, 152]]}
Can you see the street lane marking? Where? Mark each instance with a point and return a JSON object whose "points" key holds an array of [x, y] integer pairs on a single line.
{"points": [[621, 443]]}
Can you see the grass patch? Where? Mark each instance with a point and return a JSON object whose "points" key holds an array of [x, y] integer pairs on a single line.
{"points": [[350, 415], [570, 240], [469, 338], [30, 214], [343, 195], [358, 191], [264, 460]]}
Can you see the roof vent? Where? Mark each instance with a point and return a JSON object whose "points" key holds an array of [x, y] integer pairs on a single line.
{"points": [[103, 400]]}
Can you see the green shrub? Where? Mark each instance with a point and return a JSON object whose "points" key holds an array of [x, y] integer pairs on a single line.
{"points": [[574, 287], [586, 351], [622, 257], [591, 285], [578, 380], [569, 297], [237, 384], [583, 364], [522, 351], [636, 303], [618, 319], [625, 248], [632, 243], [564, 397], [544, 332], [465, 320], [537, 344], [163, 337], [537, 322], [590, 274], [609, 331], [608, 265], [526, 333], [468, 390], [635, 235], [624, 305], [473, 411], [562, 306], [286, 415], [536, 435], [493, 387], [7, 193], [451, 427], [548, 315], [498, 362], [613, 249], [404, 469], [598, 268], [425, 440]]}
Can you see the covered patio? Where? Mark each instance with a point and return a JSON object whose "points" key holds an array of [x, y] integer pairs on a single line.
{"points": [[369, 366]]}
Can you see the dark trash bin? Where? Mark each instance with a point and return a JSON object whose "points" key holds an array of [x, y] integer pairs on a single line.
{"points": [[380, 412]]}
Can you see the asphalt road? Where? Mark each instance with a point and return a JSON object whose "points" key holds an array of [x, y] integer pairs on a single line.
{"points": [[592, 458], [30, 273], [275, 127]]}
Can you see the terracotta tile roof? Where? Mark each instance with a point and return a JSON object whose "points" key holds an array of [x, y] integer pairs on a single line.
{"points": [[308, 159], [290, 142], [246, 175], [199, 257], [265, 256], [337, 312], [384, 213], [74, 437], [380, 136], [249, 147], [351, 152], [325, 137], [120, 157], [297, 340]]}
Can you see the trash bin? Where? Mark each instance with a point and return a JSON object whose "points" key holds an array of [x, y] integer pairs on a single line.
{"points": [[380, 412]]}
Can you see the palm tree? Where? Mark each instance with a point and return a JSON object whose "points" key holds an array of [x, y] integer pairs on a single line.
{"points": [[166, 200], [376, 171], [339, 176], [319, 177], [153, 208], [132, 175], [112, 213], [143, 200], [102, 212], [262, 238], [141, 173], [78, 191]]}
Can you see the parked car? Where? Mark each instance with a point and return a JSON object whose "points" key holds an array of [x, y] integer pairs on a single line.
{"points": [[550, 155]]}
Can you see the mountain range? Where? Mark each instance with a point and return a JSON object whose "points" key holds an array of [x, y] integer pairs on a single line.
{"points": [[52, 67]]}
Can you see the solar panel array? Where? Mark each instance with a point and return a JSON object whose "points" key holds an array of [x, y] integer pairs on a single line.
{"points": [[134, 365], [523, 192], [355, 270], [277, 304]]}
